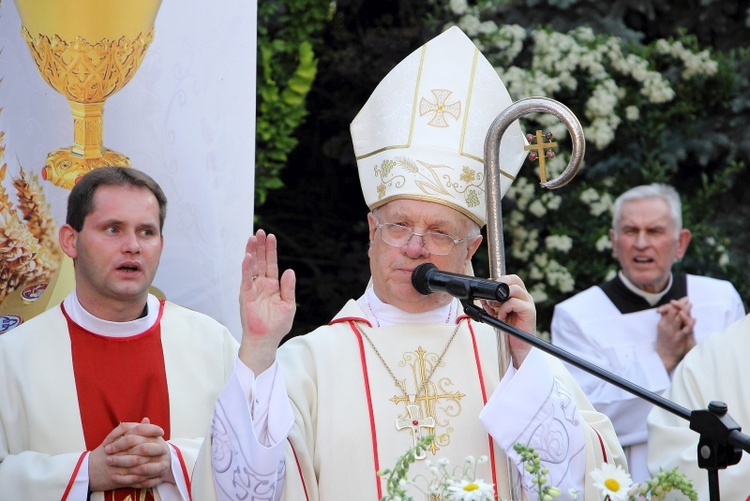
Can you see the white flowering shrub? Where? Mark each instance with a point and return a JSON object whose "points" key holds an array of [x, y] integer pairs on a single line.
{"points": [[649, 114]]}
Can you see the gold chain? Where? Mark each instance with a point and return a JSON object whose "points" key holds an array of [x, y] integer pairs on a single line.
{"points": [[399, 385]]}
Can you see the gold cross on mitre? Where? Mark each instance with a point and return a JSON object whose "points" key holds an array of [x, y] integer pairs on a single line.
{"points": [[537, 151], [439, 108]]}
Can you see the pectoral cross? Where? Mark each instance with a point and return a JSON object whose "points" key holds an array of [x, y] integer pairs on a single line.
{"points": [[415, 423], [537, 151]]}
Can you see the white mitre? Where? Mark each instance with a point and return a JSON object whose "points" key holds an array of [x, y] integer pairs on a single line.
{"points": [[421, 133]]}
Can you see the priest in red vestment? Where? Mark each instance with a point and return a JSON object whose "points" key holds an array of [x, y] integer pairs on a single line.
{"points": [[109, 394]]}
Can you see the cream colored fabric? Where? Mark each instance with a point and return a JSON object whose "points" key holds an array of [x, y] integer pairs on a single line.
{"points": [[421, 133], [332, 438], [716, 369], [41, 438], [331, 454]]}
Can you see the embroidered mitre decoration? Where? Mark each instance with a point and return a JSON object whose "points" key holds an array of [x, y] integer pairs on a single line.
{"points": [[421, 133]]}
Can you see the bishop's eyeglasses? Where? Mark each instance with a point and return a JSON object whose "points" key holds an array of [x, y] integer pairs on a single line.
{"points": [[398, 235]]}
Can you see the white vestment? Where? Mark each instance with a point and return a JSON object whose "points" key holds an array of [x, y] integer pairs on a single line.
{"points": [[716, 369], [349, 420], [42, 447], [592, 327]]}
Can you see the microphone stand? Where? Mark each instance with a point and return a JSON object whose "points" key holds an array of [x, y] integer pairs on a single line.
{"points": [[721, 442]]}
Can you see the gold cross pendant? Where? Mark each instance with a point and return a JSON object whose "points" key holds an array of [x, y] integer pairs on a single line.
{"points": [[415, 423]]}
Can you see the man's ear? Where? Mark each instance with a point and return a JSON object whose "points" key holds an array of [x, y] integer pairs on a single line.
{"points": [[68, 238], [372, 223], [683, 239], [473, 245]]}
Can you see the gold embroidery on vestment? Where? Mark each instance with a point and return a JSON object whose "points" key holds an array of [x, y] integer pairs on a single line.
{"points": [[430, 395]]}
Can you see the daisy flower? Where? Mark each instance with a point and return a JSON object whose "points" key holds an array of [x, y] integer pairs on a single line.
{"points": [[469, 490], [613, 482]]}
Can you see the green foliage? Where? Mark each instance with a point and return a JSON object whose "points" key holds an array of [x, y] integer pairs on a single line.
{"points": [[439, 481], [319, 215], [397, 477], [663, 483], [698, 141], [616, 482], [651, 112], [287, 66], [533, 465]]}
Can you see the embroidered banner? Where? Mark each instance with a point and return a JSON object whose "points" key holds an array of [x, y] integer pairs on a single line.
{"points": [[180, 106]]}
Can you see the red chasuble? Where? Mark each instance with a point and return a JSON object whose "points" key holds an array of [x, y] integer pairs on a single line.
{"points": [[118, 380]]}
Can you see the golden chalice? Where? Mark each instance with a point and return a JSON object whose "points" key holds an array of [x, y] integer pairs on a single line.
{"points": [[87, 50]]}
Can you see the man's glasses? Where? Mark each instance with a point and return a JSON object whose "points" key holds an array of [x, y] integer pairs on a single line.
{"points": [[397, 235]]}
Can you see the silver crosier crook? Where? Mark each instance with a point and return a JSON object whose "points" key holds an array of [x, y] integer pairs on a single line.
{"points": [[492, 171]]}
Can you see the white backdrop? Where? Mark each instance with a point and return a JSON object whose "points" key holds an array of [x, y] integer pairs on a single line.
{"points": [[187, 118]]}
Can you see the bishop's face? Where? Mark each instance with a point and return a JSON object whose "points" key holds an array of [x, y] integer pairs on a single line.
{"points": [[392, 266], [646, 242]]}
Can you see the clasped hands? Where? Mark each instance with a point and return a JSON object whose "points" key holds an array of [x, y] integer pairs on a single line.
{"points": [[132, 455], [675, 335]]}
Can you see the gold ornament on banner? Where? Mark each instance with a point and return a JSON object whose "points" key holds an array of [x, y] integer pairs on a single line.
{"points": [[30, 265], [87, 50]]}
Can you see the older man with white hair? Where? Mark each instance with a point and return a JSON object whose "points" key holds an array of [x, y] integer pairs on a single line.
{"points": [[641, 323]]}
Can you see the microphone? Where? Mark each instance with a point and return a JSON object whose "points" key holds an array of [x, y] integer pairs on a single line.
{"points": [[427, 278]]}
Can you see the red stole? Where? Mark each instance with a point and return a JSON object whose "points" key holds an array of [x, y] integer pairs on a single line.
{"points": [[119, 380]]}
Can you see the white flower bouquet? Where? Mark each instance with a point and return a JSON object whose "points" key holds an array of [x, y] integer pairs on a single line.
{"points": [[461, 484]]}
